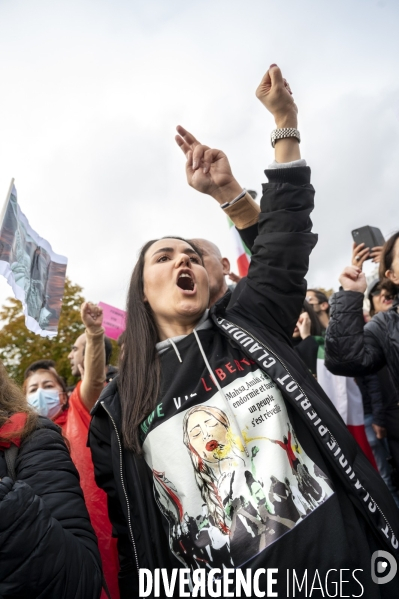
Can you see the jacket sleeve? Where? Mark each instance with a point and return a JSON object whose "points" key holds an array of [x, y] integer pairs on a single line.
{"points": [[48, 546], [375, 393], [94, 361], [276, 286], [248, 235], [351, 348]]}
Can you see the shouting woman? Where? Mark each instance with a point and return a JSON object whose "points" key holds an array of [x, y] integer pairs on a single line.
{"points": [[216, 445]]}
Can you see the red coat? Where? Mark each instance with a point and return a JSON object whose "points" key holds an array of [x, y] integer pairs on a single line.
{"points": [[76, 430]]}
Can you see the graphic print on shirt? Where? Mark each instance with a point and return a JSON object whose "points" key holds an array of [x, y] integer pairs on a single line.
{"points": [[231, 478]]}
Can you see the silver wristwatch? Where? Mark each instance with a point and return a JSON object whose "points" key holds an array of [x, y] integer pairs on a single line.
{"points": [[277, 134]]}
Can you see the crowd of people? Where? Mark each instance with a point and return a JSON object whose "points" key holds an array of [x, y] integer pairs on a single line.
{"points": [[225, 436]]}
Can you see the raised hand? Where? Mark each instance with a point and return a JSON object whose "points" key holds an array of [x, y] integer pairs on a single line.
{"points": [[353, 279], [304, 325], [207, 169], [92, 315], [275, 94], [375, 254], [360, 253]]}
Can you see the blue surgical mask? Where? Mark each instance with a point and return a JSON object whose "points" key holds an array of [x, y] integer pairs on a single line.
{"points": [[46, 402]]}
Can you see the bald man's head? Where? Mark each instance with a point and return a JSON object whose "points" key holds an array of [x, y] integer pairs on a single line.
{"points": [[216, 266]]}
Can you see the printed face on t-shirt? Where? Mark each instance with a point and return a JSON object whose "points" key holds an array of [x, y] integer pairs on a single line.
{"points": [[208, 436]]}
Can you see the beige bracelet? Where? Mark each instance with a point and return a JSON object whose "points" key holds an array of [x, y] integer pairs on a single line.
{"points": [[244, 212]]}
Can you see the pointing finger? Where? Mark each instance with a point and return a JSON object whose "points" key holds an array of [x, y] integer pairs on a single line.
{"points": [[187, 136], [182, 144]]}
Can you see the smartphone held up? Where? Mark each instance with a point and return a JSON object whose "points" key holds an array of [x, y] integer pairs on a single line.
{"points": [[370, 236]]}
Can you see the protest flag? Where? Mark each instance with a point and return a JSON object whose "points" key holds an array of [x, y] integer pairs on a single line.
{"points": [[347, 398], [241, 251], [35, 273]]}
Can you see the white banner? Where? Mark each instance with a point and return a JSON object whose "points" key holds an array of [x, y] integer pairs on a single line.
{"points": [[35, 273]]}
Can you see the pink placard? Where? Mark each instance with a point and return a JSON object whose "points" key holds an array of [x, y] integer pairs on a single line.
{"points": [[114, 320]]}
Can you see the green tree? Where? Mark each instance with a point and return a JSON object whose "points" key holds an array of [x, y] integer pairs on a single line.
{"points": [[20, 347]]}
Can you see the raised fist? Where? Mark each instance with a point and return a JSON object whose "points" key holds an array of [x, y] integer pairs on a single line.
{"points": [[353, 279], [92, 315], [275, 94]]}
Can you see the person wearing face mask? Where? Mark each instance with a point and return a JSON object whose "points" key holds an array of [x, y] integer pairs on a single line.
{"points": [[48, 547], [46, 391], [214, 420]]}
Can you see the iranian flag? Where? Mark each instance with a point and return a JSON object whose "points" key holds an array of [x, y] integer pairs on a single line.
{"points": [[241, 251], [347, 398]]}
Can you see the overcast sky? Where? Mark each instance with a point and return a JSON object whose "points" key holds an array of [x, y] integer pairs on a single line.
{"points": [[91, 92]]}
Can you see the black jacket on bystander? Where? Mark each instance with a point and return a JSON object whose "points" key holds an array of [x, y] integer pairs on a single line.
{"points": [[47, 545], [355, 349]]}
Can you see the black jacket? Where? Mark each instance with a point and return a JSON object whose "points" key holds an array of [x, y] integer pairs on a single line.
{"points": [[353, 348], [48, 547], [308, 349], [372, 397], [264, 309]]}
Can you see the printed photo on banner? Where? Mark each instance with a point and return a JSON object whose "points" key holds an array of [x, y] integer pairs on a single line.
{"points": [[35, 273]]}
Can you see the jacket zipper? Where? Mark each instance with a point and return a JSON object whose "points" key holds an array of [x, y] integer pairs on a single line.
{"points": [[302, 391], [124, 488]]}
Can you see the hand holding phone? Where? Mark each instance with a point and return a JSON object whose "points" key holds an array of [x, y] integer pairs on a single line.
{"points": [[359, 254], [370, 236]]}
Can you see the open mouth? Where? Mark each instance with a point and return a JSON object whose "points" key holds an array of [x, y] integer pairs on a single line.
{"points": [[212, 445], [185, 282]]}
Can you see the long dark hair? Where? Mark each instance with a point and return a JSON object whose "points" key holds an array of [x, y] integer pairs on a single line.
{"points": [[140, 370], [387, 257], [315, 327]]}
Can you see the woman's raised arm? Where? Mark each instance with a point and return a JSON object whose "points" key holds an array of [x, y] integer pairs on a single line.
{"points": [[276, 284], [275, 94]]}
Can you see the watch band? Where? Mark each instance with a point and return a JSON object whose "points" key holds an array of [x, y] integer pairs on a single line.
{"points": [[277, 134]]}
